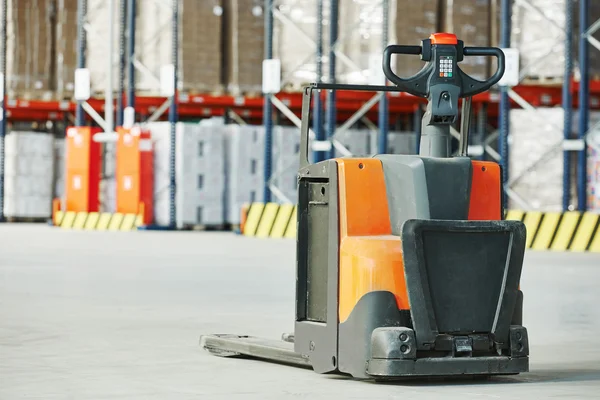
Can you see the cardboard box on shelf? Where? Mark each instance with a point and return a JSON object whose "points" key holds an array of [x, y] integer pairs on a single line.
{"points": [[29, 63], [243, 48]]}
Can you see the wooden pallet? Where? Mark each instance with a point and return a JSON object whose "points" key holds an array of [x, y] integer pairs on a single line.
{"points": [[207, 228], [27, 220], [539, 80]]}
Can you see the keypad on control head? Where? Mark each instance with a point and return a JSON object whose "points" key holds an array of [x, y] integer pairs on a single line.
{"points": [[446, 68]]}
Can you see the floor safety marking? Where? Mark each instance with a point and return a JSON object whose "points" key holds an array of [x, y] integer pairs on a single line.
{"points": [[560, 231], [254, 215], [95, 221], [532, 221], [282, 221], [271, 220]]}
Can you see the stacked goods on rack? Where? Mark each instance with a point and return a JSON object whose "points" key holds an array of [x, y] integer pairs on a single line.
{"points": [[593, 161], [29, 63], [594, 53], [414, 21], [537, 135], [470, 21], [398, 142], [540, 40], [66, 47], [199, 170], [593, 172], [286, 157], [360, 41], [28, 170], [356, 141], [245, 149], [60, 165], [243, 44], [97, 43], [293, 43], [200, 60]]}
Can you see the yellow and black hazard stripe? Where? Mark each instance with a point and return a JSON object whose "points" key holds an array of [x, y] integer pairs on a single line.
{"points": [[94, 221], [560, 231], [270, 220]]}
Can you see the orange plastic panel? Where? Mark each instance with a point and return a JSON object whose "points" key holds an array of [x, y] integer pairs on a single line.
{"points": [[443, 38], [135, 172], [83, 168], [370, 257], [363, 201], [367, 264], [486, 196]]}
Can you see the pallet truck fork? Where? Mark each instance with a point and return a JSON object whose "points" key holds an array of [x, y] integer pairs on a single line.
{"points": [[405, 266]]}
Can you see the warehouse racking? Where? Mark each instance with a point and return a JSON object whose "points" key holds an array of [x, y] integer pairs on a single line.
{"points": [[332, 109]]}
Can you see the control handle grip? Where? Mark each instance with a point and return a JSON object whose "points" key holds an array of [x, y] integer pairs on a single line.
{"points": [[470, 86], [416, 84]]}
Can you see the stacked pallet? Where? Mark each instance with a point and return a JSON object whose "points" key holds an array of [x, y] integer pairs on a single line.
{"points": [[200, 61], [66, 47], [28, 170], [540, 39], [470, 21], [415, 21], [29, 63], [199, 173], [245, 146], [243, 45]]}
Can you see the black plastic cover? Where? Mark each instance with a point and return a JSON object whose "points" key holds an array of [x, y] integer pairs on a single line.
{"points": [[462, 277]]}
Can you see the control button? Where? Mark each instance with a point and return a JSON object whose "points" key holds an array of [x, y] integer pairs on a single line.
{"points": [[445, 75], [441, 75], [450, 75]]}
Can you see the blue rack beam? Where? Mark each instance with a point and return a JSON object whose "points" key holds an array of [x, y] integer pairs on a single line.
{"points": [[567, 103], [318, 107], [81, 46], [3, 105], [173, 117], [268, 105], [122, 45], [504, 107], [584, 103], [331, 95], [384, 113], [131, 6]]}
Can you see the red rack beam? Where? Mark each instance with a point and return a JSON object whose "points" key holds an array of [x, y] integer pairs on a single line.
{"points": [[202, 106]]}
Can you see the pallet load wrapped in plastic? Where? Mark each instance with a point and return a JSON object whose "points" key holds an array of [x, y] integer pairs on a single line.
{"points": [[245, 147], [535, 135], [359, 41], [398, 142], [360, 24], [243, 45], [470, 21], [66, 47], [200, 59], [540, 42], [28, 172], [29, 49], [593, 174], [97, 42], [286, 158], [414, 21], [60, 165], [199, 174], [356, 141]]}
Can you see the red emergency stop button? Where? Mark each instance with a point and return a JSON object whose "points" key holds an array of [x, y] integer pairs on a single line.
{"points": [[443, 38]]}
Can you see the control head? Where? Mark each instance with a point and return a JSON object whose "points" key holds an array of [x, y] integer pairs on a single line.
{"points": [[442, 81]]}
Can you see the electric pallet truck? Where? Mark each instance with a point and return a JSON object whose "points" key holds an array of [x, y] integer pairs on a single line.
{"points": [[405, 265]]}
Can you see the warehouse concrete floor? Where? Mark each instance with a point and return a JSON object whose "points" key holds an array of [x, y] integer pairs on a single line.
{"points": [[91, 315]]}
